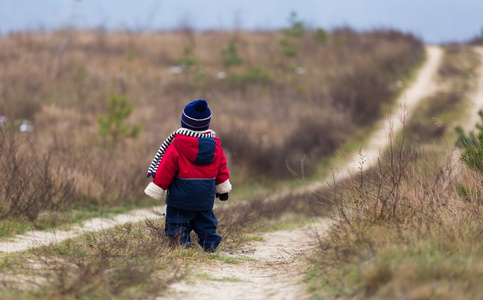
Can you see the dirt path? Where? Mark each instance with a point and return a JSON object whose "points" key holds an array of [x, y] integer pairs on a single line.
{"points": [[38, 238], [272, 267]]}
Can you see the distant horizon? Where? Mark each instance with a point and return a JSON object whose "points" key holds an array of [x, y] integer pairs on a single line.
{"points": [[433, 21], [138, 30]]}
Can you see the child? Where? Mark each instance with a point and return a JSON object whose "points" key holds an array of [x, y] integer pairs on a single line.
{"points": [[192, 171]]}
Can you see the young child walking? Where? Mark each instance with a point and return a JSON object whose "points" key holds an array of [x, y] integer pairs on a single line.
{"points": [[190, 167]]}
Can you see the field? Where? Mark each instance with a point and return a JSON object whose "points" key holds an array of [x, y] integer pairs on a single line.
{"points": [[267, 114], [286, 105]]}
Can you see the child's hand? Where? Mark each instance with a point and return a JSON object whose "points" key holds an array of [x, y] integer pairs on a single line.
{"points": [[223, 197]]}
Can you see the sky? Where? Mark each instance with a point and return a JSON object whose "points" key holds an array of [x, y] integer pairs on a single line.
{"points": [[434, 21]]}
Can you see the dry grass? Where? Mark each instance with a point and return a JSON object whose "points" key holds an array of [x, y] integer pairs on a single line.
{"points": [[402, 230], [123, 263], [406, 237]]}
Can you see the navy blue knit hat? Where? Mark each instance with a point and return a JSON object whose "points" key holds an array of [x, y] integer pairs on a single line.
{"points": [[196, 115]]}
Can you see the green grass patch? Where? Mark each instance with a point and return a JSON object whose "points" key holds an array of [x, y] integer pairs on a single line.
{"points": [[253, 238], [208, 277], [288, 222], [13, 226], [9, 260], [229, 259]]}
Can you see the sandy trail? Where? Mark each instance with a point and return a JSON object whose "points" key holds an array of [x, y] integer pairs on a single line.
{"points": [[38, 238], [271, 268]]}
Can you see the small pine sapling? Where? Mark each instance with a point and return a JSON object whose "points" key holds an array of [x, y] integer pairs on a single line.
{"points": [[112, 126]]}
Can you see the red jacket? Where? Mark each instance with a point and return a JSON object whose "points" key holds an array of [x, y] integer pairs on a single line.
{"points": [[193, 170]]}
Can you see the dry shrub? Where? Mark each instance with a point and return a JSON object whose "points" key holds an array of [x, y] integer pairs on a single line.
{"points": [[31, 181], [104, 177]]}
